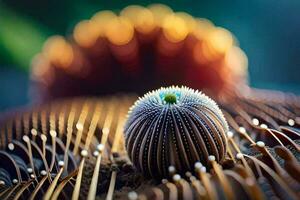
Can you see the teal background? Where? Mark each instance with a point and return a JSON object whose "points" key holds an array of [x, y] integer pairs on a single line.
{"points": [[267, 30]]}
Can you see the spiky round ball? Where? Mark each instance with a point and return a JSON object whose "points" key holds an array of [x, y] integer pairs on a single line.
{"points": [[174, 126]]}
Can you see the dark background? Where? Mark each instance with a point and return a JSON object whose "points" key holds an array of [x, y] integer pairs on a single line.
{"points": [[267, 30]]}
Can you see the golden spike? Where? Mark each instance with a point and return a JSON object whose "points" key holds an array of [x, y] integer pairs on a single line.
{"points": [[35, 119], [203, 176], [23, 188], [69, 132], [52, 120], [53, 139], [44, 140], [27, 140], [93, 125], [12, 190], [37, 188], [52, 186], [93, 185], [115, 148], [111, 188], [61, 122], [222, 178], [98, 153], [76, 191], [60, 187], [80, 127], [44, 121]]}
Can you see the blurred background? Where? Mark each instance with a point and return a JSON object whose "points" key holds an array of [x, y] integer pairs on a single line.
{"points": [[268, 31]]}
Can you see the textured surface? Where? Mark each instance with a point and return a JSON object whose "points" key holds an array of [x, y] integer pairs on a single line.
{"points": [[174, 127], [75, 148], [262, 159]]}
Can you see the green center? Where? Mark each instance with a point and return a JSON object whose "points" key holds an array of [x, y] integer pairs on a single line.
{"points": [[170, 98]]}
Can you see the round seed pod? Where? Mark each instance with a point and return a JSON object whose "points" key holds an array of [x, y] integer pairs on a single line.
{"points": [[174, 126]]}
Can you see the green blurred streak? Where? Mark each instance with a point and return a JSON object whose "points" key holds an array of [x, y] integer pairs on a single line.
{"points": [[20, 38]]}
